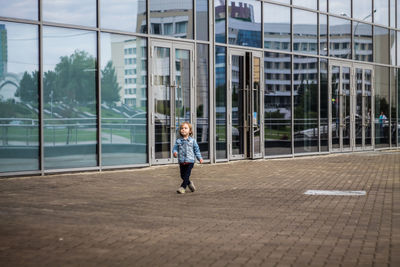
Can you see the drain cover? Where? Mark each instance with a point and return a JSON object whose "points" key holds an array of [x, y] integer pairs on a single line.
{"points": [[335, 193]]}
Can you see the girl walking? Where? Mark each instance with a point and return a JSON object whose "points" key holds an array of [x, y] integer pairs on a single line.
{"points": [[186, 149]]}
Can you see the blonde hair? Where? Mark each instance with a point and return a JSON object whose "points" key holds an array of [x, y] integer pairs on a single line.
{"points": [[189, 125]]}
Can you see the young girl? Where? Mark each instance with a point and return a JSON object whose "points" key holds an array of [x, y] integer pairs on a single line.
{"points": [[186, 149]]}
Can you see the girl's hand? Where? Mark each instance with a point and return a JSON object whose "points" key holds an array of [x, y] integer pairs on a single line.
{"points": [[175, 154], [201, 161]]}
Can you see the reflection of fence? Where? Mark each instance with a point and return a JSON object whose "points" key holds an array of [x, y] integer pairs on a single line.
{"points": [[19, 132]]}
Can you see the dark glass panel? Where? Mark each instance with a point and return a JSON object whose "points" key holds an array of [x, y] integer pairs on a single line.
{"points": [[245, 23], [362, 41], [381, 107], [323, 35], [220, 100], [124, 15], [398, 48], [19, 97], [220, 21], [69, 91], [340, 37], [398, 106], [324, 102], [362, 10], [305, 29], [202, 20], [305, 104], [393, 111], [381, 12], [368, 106], [70, 12], [123, 99], [21, 9], [276, 27], [182, 87], [335, 102], [277, 104], [237, 97], [359, 107], [172, 18], [340, 7], [312, 4], [381, 45], [203, 108]]}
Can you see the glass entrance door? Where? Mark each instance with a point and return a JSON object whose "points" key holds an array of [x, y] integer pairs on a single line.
{"points": [[172, 95]]}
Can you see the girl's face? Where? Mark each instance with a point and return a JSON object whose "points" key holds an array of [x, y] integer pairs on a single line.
{"points": [[185, 130]]}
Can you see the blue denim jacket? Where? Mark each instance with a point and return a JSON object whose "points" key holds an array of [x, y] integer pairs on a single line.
{"points": [[187, 149]]}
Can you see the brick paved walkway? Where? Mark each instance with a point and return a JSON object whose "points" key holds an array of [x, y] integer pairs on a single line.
{"points": [[249, 213]]}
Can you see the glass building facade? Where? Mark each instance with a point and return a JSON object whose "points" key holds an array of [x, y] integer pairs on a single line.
{"points": [[92, 85]]}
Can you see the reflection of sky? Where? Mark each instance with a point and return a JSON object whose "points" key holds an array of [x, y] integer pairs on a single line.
{"points": [[362, 9], [306, 3], [382, 12], [274, 13], [340, 7], [121, 14], [25, 9], [70, 11]]}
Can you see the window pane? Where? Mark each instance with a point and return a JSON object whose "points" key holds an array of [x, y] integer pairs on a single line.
{"points": [[323, 35], [305, 28], [362, 10], [362, 41], [381, 45], [245, 23], [179, 13], [202, 20], [19, 96], [323, 6], [392, 47], [283, 1], [220, 100], [393, 117], [278, 103], [202, 109], [381, 15], [276, 27], [220, 21], [340, 7], [123, 99], [393, 13], [398, 48], [69, 91], [381, 107], [340, 37], [22, 9], [398, 106], [306, 3], [124, 15], [324, 97], [71, 12]]}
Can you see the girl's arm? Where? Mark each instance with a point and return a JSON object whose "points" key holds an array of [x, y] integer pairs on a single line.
{"points": [[175, 149]]}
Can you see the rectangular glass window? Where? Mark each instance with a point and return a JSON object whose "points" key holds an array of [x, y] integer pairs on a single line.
{"points": [[245, 23], [323, 5], [220, 102], [19, 97], [312, 4], [362, 41], [381, 9], [179, 13], [340, 7], [123, 101], [220, 21], [21, 9], [203, 108], [69, 91], [305, 29], [323, 35], [340, 37], [202, 20], [124, 15], [305, 104], [398, 49], [393, 13], [277, 105], [70, 12], [392, 47], [362, 10], [393, 111], [276, 26], [381, 107], [398, 106], [324, 102], [381, 45]]}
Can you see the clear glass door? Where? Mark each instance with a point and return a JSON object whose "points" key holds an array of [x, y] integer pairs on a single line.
{"points": [[182, 87], [359, 109], [346, 118], [237, 105], [256, 111], [335, 110], [368, 107]]}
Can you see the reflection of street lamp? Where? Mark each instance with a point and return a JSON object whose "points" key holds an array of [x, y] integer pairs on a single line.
{"points": [[51, 103], [358, 23]]}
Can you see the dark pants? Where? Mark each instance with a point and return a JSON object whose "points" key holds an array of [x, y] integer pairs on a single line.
{"points": [[186, 169]]}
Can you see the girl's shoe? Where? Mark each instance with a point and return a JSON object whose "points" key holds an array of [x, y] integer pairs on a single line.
{"points": [[181, 190], [192, 187]]}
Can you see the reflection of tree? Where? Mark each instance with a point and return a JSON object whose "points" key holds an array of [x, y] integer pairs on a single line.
{"points": [[307, 102], [109, 85], [28, 88]]}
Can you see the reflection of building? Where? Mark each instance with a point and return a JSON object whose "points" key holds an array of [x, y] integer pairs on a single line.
{"points": [[3, 50]]}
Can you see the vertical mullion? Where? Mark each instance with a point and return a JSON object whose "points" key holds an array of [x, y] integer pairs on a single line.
{"points": [[41, 103]]}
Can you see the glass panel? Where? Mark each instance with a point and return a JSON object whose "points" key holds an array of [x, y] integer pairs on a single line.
{"points": [[19, 97], [368, 106], [202, 20], [245, 23], [345, 116], [256, 105], [381, 45], [220, 101], [69, 91], [132, 13], [182, 87], [203, 108], [335, 119], [398, 47], [323, 35], [237, 105], [362, 41], [324, 121], [323, 6], [305, 28], [392, 47], [276, 27], [172, 18], [220, 21], [381, 9], [71, 12], [306, 104], [398, 106], [340, 7], [340, 37], [22, 9], [162, 102], [381, 106], [393, 117], [278, 103], [362, 10], [392, 13], [359, 108], [283, 1], [123, 99], [306, 3]]}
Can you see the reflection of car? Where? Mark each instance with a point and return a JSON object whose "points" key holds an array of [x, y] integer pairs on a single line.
{"points": [[15, 122]]}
